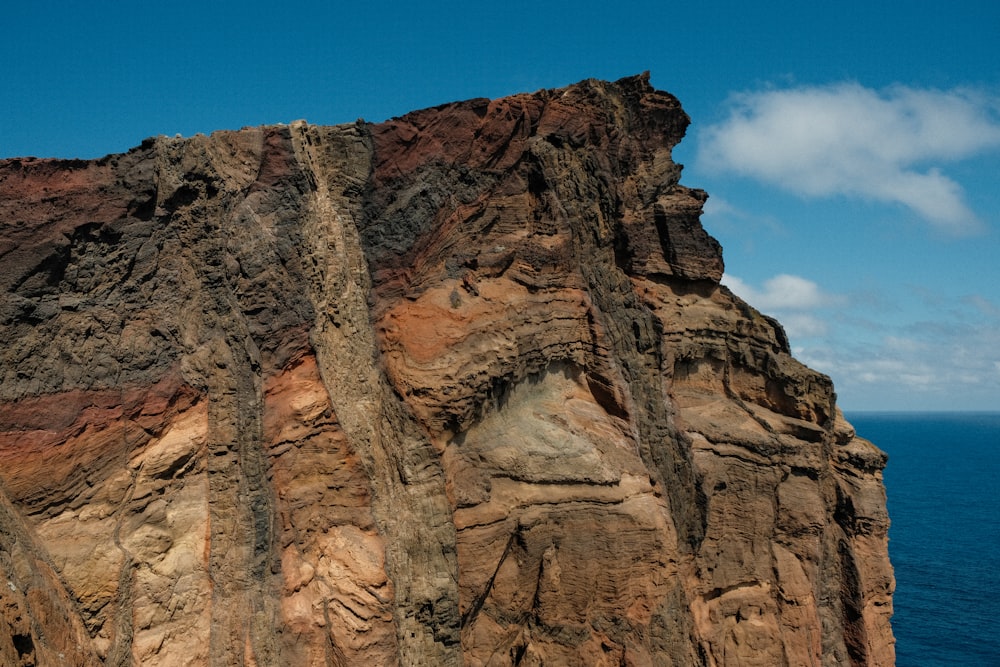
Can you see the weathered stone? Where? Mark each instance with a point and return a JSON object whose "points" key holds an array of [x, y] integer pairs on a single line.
{"points": [[458, 388]]}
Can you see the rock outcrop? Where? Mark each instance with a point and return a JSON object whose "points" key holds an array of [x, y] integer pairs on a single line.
{"points": [[458, 388]]}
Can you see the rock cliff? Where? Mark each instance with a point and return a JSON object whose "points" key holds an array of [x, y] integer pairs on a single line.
{"points": [[457, 388]]}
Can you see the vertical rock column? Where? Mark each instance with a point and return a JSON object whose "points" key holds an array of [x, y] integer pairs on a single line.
{"points": [[408, 490], [225, 361], [630, 355]]}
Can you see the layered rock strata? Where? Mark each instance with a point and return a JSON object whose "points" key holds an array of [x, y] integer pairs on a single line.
{"points": [[458, 388]]}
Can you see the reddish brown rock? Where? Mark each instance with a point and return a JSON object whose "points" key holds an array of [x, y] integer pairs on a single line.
{"points": [[458, 388]]}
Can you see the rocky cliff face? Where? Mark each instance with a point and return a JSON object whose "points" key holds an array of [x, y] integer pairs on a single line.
{"points": [[458, 388]]}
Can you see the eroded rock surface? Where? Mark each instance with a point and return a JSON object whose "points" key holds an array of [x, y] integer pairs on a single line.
{"points": [[458, 388]]}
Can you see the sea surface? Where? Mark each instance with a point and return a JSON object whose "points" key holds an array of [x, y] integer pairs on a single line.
{"points": [[943, 487]]}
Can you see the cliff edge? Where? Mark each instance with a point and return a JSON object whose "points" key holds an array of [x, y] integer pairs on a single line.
{"points": [[457, 388]]}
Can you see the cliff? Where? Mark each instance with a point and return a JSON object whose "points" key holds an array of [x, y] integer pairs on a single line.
{"points": [[457, 388]]}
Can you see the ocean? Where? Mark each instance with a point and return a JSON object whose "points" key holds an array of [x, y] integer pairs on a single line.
{"points": [[943, 487]]}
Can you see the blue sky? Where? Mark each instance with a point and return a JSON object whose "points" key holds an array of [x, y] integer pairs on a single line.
{"points": [[851, 150]]}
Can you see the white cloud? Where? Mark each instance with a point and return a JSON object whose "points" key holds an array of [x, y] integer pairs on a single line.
{"points": [[983, 305], [802, 325], [953, 368], [782, 292], [846, 139], [905, 345], [947, 360], [719, 212], [717, 206], [790, 298]]}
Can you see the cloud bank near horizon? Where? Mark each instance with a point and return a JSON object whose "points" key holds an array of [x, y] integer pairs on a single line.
{"points": [[898, 362], [845, 139]]}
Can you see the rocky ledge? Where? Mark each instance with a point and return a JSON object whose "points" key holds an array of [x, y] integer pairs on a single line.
{"points": [[457, 388]]}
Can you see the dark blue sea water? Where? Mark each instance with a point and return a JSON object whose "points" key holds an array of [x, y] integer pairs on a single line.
{"points": [[943, 486]]}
